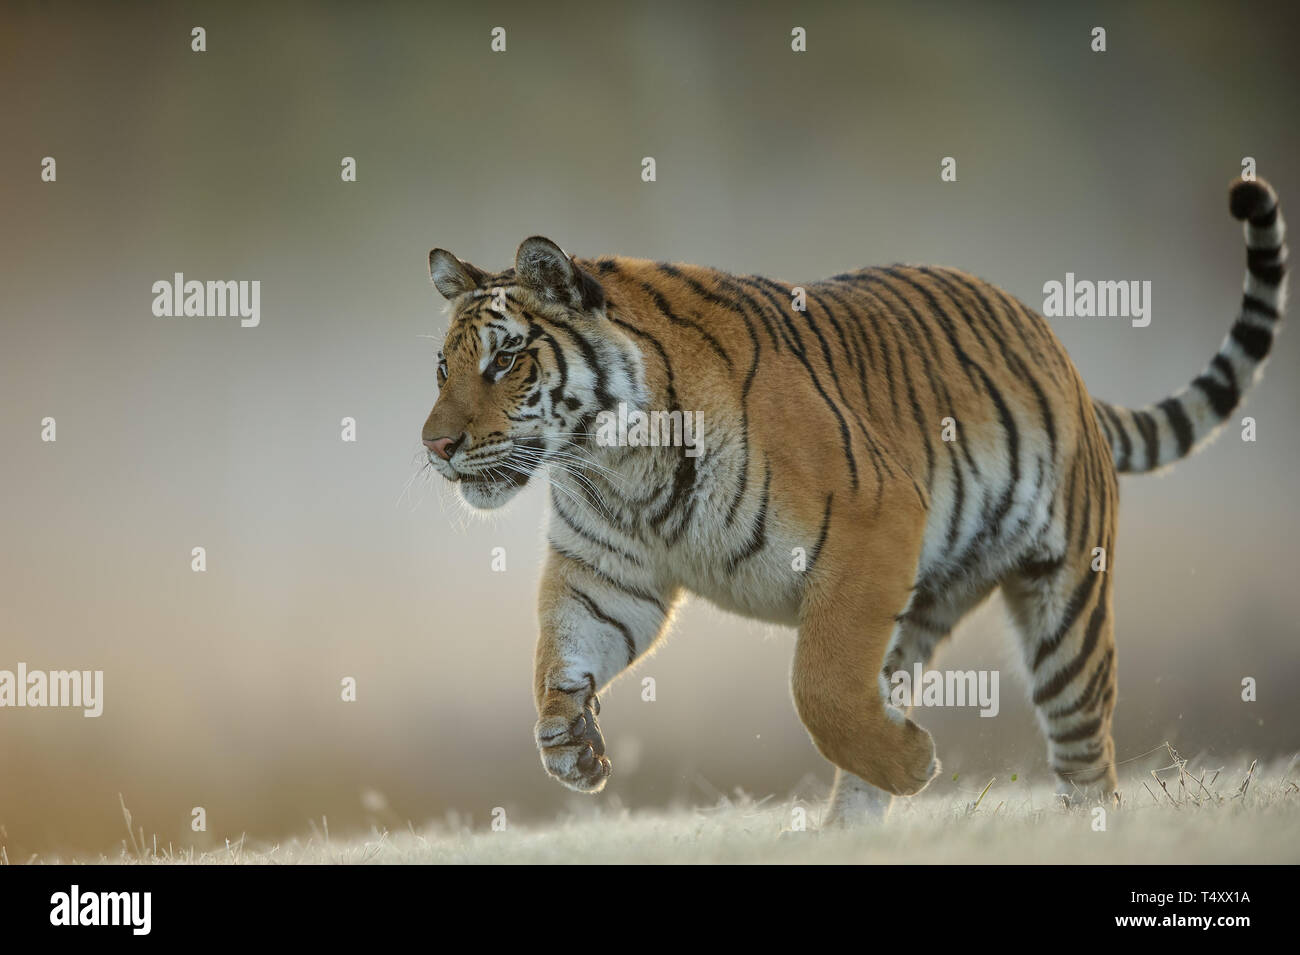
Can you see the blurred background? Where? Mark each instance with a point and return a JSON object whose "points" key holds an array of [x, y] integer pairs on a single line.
{"points": [[222, 689]]}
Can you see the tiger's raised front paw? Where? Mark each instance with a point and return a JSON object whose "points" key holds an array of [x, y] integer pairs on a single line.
{"points": [[572, 748]]}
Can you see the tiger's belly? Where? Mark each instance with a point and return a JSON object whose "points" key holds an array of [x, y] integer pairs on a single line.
{"points": [[767, 584]]}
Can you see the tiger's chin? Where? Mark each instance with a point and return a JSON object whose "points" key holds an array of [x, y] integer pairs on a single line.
{"points": [[486, 494]]}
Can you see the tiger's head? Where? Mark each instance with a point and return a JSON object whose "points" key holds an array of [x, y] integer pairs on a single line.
{"points": [[531, 356]]}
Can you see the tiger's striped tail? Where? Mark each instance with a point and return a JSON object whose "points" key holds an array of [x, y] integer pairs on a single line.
{"points": [[1155, 436]]}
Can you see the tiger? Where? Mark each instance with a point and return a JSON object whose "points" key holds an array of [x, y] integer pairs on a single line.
{"points": [[821, 408]]}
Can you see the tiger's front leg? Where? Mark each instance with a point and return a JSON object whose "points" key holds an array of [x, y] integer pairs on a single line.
{"points": [[593, 627]]}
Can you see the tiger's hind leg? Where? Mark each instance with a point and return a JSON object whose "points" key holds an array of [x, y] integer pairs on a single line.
{"points": [[928, 621], [1063, 613]]}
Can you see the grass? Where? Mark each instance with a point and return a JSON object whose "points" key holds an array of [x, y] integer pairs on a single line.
{"points": [[1173, 814]]}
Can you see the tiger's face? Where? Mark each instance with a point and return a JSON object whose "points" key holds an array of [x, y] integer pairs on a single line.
{"points": [[523, 370]]}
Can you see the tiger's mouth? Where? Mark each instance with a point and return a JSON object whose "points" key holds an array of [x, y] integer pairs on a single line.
{"points": [[492, 485], [518, 465]]}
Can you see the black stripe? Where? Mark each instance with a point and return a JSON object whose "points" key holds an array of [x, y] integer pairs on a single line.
{"points": [[1263, 255], [669, 385], [1039, 568], [915, 402], [780, 306], [1082, 731], [740, 489], [958, 505], [830, 317], [1074, 607], [683, 485], [864, 350], [1179, 422], [1033, 328], [714, 299], [1084, 462], [603, 617], [609, 581], [923, 623], [616, 493], [786, 292], [1104, 690], [603, 398], [1150, 433], [1064, 676], [1086, 757], [1268, 274], [592, 538], [1105, 426], [1225, 369], [856, 354], [561, 366], [1254, 340], [1266, 220], [874, 452], [864, 355], [1125, 443], [821, 536], [1090, 693], [1223, 398], [855, 314], [1251, 303], [758, 533], [846, 438], [722, 302], [664, 307], [748, 306], [960, 311]]}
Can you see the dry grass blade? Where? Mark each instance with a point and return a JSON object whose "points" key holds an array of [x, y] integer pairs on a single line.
{"points": [[126, 815], [976, 804], [1245, 784], [1157, 778]]}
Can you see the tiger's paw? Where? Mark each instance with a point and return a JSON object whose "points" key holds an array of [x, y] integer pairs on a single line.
{"points": [[1103, 792], [855, 803], [913, 763], [573, 749]]}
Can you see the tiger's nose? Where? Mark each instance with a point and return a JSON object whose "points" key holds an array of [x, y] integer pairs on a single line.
{"points": [[444, 447]]}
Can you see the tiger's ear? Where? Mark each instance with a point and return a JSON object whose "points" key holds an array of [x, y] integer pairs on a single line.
{"points": [[543, 266], [451, 276]]}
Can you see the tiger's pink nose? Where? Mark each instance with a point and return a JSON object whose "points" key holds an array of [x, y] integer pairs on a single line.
{"points": [[442, 447]]}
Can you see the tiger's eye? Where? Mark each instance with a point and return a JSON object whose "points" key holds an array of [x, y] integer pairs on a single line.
{"points": [[504, 360]]}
